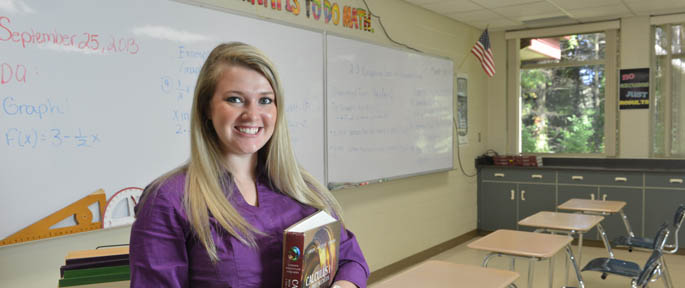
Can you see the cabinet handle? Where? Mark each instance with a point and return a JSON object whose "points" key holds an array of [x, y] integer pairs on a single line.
{"points": [[536, 176], [576, 177], [620, 179], [513, 194], [592, 196], [499, 174], [604, 197], [523, 195], [675, 180]]}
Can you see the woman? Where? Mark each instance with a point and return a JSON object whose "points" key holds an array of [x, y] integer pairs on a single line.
{"points": [[218, 220]]}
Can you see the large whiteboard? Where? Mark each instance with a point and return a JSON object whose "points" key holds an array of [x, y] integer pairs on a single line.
{"points": [[389, 112], [97, 94]]}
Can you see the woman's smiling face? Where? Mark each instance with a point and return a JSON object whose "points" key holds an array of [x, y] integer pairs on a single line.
{"points": [[243, 110]]}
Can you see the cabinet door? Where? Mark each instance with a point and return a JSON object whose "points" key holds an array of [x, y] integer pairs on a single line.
{"points": [[613, 224], [660, 206], [499, 206], [533, 198], [566, 192]]}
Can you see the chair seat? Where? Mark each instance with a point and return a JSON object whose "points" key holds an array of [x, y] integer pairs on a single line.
{"points": [[613, 266], [637, 242]]}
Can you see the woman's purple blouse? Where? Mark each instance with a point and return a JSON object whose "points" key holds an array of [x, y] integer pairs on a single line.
{"points": [[164, 252]]}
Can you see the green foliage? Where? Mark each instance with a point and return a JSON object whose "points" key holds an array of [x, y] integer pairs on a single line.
{"points": [[528, 140], [563, 106], [575, 137]]}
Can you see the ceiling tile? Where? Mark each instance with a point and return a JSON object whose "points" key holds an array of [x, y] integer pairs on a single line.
{"points": [[447, 7], [502, 3], [655, 6], [472, 16], [497, 24], [529, 11], [421, 2], [615, 11], [579, 4]]}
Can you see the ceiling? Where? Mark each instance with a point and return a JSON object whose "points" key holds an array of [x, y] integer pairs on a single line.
{"points": [[521, 14]]}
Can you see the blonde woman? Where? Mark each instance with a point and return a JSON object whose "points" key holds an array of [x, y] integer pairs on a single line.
{"points": [[218, 220]]}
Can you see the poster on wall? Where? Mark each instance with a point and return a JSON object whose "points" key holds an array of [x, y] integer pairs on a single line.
{"points": [[462, 109], [634, 89]]}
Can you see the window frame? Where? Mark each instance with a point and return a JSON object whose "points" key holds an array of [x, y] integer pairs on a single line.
{"points": [[513, 39], [663, 20]]}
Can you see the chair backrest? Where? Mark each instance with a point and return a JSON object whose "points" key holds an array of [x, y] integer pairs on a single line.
{"points": [[679, 217], [677, 222], [661, 237], [649, 270]]}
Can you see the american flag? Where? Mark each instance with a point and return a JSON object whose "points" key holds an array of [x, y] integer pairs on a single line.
{"points": [[484, 54]]}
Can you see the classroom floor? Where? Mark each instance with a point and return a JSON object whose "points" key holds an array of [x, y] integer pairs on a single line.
{"points": [[465, 255]]}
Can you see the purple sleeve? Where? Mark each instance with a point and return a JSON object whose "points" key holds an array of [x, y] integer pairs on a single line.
{"points": [[351, 264], [158, 256]]}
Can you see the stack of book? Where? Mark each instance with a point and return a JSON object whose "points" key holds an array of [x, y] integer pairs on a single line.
{"points": [[98, 268]]}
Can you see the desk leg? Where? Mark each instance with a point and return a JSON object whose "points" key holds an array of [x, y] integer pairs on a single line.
{"points": [[487, 258], [580, 248], [531, 272], [551, 271], [605, 240], [569, 251], [566, 270], [626, 223]]}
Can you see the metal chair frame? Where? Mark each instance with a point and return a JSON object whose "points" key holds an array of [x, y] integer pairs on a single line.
{"points": [[647, 272], [646, 243]]}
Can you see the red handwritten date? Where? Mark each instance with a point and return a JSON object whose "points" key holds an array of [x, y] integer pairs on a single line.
{"points": [[83, 41]]}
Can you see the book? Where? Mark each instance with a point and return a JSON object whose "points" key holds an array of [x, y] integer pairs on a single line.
{"points": [[92, 264], [106, 267], [91, 255], [95, 276], [310, 252]]}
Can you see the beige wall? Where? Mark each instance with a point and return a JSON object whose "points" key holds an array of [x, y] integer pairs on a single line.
{"points": [[392, 220], [634, 131]]}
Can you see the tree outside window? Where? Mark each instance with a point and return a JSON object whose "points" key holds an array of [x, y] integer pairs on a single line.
{"points": [[562, 94]]}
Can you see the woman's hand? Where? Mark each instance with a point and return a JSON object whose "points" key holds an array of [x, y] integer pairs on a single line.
{"points": [[343, 284]]}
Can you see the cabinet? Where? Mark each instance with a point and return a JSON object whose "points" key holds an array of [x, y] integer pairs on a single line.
{"points": [[664, 192], [507, 195], [609, 185]]}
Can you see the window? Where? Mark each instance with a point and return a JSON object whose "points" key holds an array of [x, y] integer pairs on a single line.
{"points": [[668, 121], [564, 102]]}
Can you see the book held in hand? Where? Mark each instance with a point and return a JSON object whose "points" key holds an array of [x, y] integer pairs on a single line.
{"points": [[310, 252]]}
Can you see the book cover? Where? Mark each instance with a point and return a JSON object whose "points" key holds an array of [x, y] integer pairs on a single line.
{"points": [[310, 252], [95, 276], [92, 264]]}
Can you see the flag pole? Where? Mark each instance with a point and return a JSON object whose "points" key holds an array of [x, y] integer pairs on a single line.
{"points": [[467, 54]]}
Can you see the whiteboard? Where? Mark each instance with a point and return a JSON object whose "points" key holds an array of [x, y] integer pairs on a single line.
{"points": [[105, 101], [389, 112]]}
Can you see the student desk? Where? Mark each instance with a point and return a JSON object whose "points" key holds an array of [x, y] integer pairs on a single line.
{"points": [[434, 274], [531, 245], [599, 207], [570, 223]]}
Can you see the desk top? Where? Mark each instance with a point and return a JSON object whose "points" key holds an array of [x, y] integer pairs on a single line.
{"points": [[434, 274], [605, 206], [522, 243], [562, 221]]}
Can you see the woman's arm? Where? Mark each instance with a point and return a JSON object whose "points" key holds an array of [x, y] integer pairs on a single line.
{"points": [[158, 256], [352, 267]]}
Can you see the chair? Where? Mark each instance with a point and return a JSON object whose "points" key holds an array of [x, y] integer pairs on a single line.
{"points": [[648, 243], [651, 268], [640, 277]]}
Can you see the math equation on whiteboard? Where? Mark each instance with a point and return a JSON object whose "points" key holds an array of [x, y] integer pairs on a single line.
{"points": [[22, 138]]}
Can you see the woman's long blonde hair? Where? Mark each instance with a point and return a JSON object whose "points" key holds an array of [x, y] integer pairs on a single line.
{"points": [[205, 174]]}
